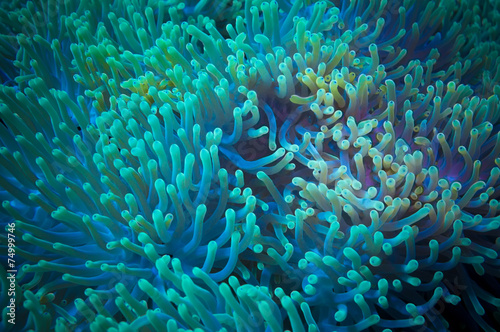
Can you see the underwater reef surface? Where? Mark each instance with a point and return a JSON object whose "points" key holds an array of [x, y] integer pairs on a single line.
{"points": [[250, 165]]}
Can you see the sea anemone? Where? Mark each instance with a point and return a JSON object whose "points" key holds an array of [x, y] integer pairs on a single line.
{"points": [[251, 165]]}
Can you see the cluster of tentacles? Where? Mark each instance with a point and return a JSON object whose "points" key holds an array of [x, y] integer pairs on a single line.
{"points": [[251, 165]]}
